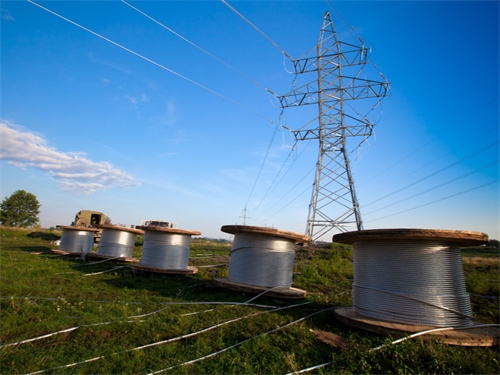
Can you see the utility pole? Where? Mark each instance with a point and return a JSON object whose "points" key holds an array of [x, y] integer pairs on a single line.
{"points": [[244, 216], [336, 69]]}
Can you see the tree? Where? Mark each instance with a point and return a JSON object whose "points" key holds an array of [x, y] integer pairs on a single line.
{"points": [[21, 209]]}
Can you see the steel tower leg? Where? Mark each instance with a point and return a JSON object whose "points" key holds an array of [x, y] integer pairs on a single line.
{"points": [[334, 204]]}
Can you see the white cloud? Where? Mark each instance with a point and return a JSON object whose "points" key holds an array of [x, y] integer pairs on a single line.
{"points": [[73, 171], [6, 15], [132, 100]]}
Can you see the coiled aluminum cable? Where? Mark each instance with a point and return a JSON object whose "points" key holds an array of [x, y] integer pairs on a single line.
{"points": [[261, 260], [411, 282], [76, 241], [117, 243], [165, 250]]}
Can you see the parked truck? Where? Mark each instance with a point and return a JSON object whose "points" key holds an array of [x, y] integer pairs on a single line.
{"points": [[158, 223], [89, 219]]}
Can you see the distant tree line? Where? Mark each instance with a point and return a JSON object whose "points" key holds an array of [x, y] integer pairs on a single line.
{"points": [[494, 244]]}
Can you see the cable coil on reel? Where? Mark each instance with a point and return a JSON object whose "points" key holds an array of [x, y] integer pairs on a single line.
{"points": [[77, 241], [262, 259], [166, 249], [411, 280], [117, 242]]}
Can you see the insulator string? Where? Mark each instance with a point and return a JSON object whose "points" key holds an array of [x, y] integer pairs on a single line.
{"points": [[411, 282], [165, 250], [116, 243], [261, 260], [76, 241]]}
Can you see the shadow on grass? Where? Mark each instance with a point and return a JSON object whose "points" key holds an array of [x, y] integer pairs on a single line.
{"points": [[29, 249], [47, 236], [167, 285]]}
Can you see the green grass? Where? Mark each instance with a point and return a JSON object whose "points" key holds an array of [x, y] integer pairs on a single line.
{"points": [[42, 293]]}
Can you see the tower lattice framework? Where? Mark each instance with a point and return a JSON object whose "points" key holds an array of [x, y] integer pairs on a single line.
{"points": [[336, 69]]}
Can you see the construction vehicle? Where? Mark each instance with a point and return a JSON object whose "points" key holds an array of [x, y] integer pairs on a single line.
{"points": [[158, 223], [89, 219]]}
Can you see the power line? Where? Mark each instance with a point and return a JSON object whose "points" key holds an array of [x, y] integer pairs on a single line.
{"points": [[436, 187], [371, 192], [151, 61], [262, 165], [293, 199], [288, 192], [199, 48], [172, 71], [438, 200], [258, 30], [271, 185], [436, 172], [432, 140]]}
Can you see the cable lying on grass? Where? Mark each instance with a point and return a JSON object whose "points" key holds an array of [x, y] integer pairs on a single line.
{"points": [[171, 339], [396, 342], [247, 303], [98, 273], [92, 263], [66, 330], [241, 342]]}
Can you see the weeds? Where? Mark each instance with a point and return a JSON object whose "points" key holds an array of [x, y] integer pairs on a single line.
{"points": [[120, 317]]}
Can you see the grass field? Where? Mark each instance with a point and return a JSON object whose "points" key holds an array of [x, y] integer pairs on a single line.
{"points": [[104, 319]]}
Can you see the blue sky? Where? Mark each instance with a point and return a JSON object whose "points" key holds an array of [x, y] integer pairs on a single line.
{"points": [[163, 130]]}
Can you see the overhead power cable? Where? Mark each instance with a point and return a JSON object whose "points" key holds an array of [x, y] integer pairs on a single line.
{"points": [[198, 47], [460, 147], [271, 185], [262, 165], [258, 30], [288, 192], [436, 187], [152, 61], [494, 100], [437, 200], [436, 172]]}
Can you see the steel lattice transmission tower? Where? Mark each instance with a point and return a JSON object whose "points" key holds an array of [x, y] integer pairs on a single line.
{"points": [[336, 69]]}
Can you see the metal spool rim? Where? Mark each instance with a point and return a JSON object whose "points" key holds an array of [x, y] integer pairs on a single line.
{"points": [[67, 227], [122, 229], [235, 229], [169, 230], [460, 237]]}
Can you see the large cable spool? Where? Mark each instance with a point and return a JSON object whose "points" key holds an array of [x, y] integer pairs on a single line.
{"points": [[166, 250], [262, 259], [116, 242], [76, 241], [408, 280]]}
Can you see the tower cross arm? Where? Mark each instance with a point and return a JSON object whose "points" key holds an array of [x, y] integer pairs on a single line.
{"points": [[353, 56], [359, 88], [353, 88]]}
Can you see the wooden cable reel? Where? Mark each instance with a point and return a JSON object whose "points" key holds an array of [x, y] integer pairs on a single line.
{"points": [[411, 280], [262, 259]]}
